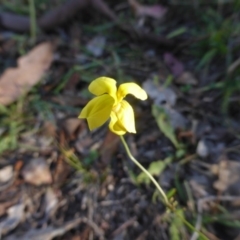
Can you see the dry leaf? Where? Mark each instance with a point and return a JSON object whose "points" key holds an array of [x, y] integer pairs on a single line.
{"points": [[96, 46], [160, 94], [228, 176], [155, 11], [16, 81], [37, 172], [50, 200], [186, 78], [15, 215], [173, 64], [6, 174]]}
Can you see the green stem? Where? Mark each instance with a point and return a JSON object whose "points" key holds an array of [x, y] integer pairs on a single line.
{"points": [[190, 226], [147, 173], [167, 203], [33, 24]]}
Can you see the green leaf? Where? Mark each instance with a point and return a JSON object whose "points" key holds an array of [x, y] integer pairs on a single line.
{"points": [[207, 58], [155, 169], [177, 32], [177, 228], [3, 109], [164, 124]]}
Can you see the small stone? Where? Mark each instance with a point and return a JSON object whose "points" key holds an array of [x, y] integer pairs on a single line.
{"points": [[202, 149]]}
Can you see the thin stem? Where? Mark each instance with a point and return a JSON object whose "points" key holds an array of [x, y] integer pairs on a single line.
{"points": [[167, 203], [33, 24], [146, 172]]}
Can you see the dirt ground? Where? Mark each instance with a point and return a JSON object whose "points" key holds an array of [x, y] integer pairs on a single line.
{"points": [[58, 180]]}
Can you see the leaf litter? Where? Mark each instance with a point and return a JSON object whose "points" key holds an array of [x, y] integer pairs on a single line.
{"points": [[15, 82], [183, 137]]}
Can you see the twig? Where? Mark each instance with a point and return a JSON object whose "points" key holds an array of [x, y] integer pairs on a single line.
{"points": [[68, 10], [48, 21], [125, 225], [62, 13], [94, 226]]}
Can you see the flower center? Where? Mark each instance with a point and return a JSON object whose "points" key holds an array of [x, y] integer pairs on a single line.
{"points": [[116, 107]]}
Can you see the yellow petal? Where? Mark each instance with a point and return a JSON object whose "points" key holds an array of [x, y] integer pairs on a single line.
{"points": [[125, 116], [103, 85], [131, 88], [114, 125], [97, 111]]}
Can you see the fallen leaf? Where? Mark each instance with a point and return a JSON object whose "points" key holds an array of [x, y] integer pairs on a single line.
{"points": [[50, 200], [161, 95], [96, 46], [6, 174], [16, 81], [37, 172], [155, 11], [15, 215], [49, 129], [173, 64], [228, 176], [186, 78], [198, 190]]}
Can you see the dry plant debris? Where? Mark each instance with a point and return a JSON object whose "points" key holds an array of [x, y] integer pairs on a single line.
{"points": [[59, 181], [15, 82]]}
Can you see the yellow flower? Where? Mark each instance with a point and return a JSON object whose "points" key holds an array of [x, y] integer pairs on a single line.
{"points": [[109, 103]]}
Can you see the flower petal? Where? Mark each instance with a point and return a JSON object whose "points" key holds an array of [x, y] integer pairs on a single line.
{"points": [[97, 111], [103, 85], [131, 88], [125, 116], [115, 126]]}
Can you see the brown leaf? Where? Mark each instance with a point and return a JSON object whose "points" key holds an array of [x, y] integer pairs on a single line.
{"points": [[16, 81], [49, 129], [37, 172], [228, 176], [186, 78]]}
